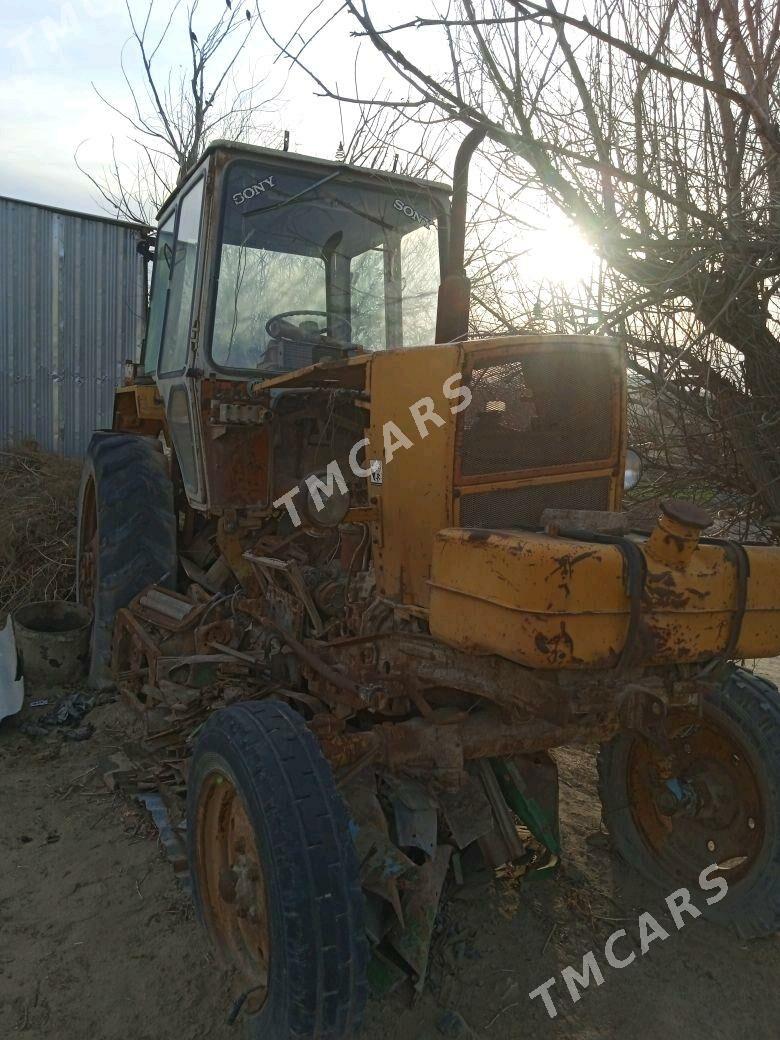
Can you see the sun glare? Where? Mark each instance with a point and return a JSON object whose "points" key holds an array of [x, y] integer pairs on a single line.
{"points": [[558, 253]]}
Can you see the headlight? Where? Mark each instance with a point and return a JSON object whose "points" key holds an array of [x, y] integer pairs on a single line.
{"points": [[326, 503], [633, 471]]}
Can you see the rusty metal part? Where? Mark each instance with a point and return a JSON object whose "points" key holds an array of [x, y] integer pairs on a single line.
{"points": [[232, 549], [413, 940], [505, 845], [204, 578], [231, 878], [439, 747], [239, 655], [686, 513], [350, 691], [284, 609], [467, 811], [221, 631], [737, 556], [191, 670], [405, 662], [597, 520], [330, 598], [676, 535], [237, 455], [574, 602], [416, 814], [167, 609], [292, 572], [382, 864], [645, 712], [710, 809], [134, 649]]}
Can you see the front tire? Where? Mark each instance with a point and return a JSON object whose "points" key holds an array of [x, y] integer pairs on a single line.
{"points": [[275, 874], [730, 779], [126, 534]]}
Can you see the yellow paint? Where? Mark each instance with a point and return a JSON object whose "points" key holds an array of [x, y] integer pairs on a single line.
{"points": [[136, 404], [415, 496], [550, 602], [418, 497]]}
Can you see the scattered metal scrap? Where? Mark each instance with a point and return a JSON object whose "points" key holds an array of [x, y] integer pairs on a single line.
{"points": [[69, 710], [172, 835], [417, 799], [179, 673], [67, 716]]}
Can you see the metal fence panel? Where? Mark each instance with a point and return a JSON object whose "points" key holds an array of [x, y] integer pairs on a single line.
{"points": [[71, 311]]}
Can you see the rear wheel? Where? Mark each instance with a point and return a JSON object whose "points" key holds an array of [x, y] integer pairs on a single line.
{"points": [[126, 533], [275, 874], [722, 806]]}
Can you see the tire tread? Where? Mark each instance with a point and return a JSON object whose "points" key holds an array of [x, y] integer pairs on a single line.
{"points": [[753, 705], [320, 895]]}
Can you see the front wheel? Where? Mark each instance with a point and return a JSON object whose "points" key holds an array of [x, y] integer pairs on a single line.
{"points": [[722, 806], [126, 533], [275, 874]]}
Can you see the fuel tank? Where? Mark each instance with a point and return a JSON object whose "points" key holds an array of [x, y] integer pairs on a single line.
{"points": [[574, 600]]}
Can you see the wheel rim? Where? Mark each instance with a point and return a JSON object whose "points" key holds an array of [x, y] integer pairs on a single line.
{"points": [[88, 547], [232, 884], [711, 810]]}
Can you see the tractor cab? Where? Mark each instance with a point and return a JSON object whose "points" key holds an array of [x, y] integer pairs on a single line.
{"points": [[283, 261], [266, 262]]}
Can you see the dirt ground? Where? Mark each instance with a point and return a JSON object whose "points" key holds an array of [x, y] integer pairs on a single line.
{"points": [[98, 939]]}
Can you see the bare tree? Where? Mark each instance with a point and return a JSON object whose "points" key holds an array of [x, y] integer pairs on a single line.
{"points": [[172, 111], [654, 127]]}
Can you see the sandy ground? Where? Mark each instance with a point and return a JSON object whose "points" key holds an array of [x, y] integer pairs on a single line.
{"points": [[99, 941]]}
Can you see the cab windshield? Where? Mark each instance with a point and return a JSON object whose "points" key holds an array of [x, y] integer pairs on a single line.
{"points": [[311, 265]]}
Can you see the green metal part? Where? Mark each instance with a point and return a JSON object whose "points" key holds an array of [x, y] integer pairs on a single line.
{"points": [[529, 784]]}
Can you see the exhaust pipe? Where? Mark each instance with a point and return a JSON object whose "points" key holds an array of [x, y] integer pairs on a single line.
{"points": [[452, 314]]}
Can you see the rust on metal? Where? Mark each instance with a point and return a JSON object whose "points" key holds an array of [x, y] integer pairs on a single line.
{"points": [[234, 888], [412, 941], [698, 800]]}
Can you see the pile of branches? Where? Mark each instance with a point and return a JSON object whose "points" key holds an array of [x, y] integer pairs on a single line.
{"points": [[38, 493]]}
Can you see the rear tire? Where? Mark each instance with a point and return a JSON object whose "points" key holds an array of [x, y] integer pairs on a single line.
{"points": [[298, 921], [126, 533], [742, 719]]}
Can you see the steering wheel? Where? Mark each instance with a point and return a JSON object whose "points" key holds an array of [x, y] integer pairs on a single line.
{"points": [[289, 314]]}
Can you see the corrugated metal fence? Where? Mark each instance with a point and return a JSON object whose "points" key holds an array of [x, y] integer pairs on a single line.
{"points": [[71, 311]]}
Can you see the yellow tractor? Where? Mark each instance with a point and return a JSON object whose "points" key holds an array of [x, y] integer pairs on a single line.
{"points": [[392, 563]]}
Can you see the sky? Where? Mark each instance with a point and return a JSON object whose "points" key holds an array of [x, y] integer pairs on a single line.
{"points": [[53, 55]]}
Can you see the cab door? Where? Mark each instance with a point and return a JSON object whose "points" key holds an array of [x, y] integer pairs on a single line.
{"points": [[179, 263]]}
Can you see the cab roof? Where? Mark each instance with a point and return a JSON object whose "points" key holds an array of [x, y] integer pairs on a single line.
{"points": [[237, 149]]}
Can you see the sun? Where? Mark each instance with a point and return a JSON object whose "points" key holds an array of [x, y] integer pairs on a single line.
{"points": [[558, 253]]}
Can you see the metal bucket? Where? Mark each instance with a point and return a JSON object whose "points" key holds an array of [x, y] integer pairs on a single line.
{"points": [[52, 641]]}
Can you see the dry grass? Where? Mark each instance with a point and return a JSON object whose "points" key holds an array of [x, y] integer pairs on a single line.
{"points": [[37, 527]]}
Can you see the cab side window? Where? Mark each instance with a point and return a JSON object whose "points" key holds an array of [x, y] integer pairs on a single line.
{"points": [[161, 275], [183, 266]]}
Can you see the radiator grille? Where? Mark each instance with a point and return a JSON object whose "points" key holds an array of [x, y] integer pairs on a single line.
{"points": [[542, 410], [523, 506]]}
